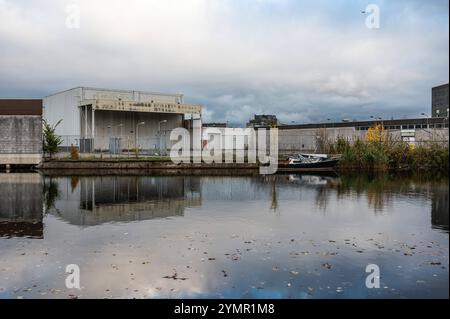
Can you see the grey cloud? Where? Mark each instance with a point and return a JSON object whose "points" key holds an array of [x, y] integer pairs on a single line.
{"points": [[291, 59]]}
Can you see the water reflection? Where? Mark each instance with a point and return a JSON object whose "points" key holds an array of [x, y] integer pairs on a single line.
{"points": [[21, 210], [123, 198], [439, 207], [291, 236], [89, 201], [381, 190]]}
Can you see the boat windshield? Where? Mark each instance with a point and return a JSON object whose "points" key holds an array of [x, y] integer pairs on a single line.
{"points": [[302, 158]]}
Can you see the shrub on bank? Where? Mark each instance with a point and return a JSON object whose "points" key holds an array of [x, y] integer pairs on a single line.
{"points": [[434, 156], [379, 153]]}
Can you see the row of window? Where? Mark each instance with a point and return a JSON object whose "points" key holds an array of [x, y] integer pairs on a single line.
{"points": [[407, 127]]}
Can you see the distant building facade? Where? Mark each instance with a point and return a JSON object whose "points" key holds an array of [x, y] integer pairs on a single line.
{"points": [[263, 120], [221, 125], [135, 119], [307, 137], [439, 101], [20, 132]]}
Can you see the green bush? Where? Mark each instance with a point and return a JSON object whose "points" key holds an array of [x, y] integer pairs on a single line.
{"points": [[390, 155], [51, 140]]}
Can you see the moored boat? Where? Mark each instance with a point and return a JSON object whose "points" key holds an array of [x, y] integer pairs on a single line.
{"points": [[308, 162]]}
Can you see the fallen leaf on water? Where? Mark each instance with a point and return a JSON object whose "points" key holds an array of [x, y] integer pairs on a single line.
{"points": [[327, 265], [174, 277]]}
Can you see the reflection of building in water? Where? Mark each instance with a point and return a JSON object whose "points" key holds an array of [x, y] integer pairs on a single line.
{"points": [[271, 188], [439, 207], [124, 198], [21, 209]]}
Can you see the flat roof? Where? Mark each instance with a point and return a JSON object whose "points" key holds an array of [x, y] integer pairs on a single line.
{"points": [[115, 90], [20, 107], [395, 122], [439, 86], [214, 124]]}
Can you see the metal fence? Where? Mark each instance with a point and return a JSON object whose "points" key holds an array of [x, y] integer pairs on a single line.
{"points": [[115, 145], [288, 142]]}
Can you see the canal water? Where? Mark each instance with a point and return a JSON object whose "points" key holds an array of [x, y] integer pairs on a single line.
{"points": [[284, 236]]}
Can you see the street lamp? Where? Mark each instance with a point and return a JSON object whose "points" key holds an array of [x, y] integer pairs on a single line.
{"points": [[110, 141], [381, 120], [159, 133], [137, 135], [377, 119], [120, 132], [118, 140], [426, 115], [446, 119], [159, 124]]}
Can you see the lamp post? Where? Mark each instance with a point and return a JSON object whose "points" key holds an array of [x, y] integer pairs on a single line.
{"points": [[429, 131], [137, 137], [382, 124], [426, 115], [118, 141], [446, 119], [379, 119], [120, 131], [159, 133], [109, 137]]}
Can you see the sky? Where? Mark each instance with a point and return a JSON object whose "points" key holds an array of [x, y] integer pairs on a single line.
{"points": [[304, 61]]}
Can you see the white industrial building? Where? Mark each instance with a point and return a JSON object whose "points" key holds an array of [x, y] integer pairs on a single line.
{"points": [[95, 118]]}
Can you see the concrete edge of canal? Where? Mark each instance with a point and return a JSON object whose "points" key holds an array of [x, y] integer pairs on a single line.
{"points": [[140, 167]]}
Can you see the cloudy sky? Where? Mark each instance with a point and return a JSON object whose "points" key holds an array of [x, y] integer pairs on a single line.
{"points": [[304, 60]]}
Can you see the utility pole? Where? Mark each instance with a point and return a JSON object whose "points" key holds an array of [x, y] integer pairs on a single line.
{"points": [[137, 137]]}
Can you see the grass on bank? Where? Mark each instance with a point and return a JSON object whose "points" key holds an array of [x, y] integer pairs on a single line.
{"points": [[379, 152]]}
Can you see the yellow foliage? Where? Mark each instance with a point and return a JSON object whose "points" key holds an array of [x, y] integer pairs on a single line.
{"points": [[74, 154], [376, 134]]}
